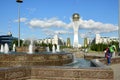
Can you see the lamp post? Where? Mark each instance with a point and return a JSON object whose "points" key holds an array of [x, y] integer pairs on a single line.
{"points": [[19, 1], [119, 23]]}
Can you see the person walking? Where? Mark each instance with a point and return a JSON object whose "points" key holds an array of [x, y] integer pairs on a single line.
{"points": [[112, 50], [108, 55]]}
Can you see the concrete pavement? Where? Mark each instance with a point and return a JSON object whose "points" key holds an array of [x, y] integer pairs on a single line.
{"points": [[116, 69]]}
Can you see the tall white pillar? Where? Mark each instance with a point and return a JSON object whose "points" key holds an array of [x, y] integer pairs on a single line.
{"points": [[75, 28]]}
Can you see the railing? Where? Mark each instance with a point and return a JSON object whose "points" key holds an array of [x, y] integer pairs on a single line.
{"points": [[55, 73]]}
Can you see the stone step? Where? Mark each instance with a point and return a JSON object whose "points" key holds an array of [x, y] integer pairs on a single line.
{"points": [[62, 78]]}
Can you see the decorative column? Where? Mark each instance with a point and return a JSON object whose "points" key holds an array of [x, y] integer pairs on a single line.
{"points": [[75, 18]]}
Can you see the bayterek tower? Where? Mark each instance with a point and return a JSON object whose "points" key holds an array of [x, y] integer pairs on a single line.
{"points": [[75, 19]]}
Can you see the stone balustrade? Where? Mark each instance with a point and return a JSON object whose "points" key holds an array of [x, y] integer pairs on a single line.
{"points": [[114, 60], [26, 49], [10, 60], [55, 73], [15, 73]]}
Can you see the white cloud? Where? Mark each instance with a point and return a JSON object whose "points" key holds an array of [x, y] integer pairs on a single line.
{"points": [[96, 27], [43, 23], [21, 20], [50, 32]]}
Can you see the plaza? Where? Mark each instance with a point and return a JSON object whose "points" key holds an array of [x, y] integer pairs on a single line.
{"points": [[59, 40]]}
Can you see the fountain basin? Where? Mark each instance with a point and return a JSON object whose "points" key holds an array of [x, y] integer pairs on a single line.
{"points": [[24, 59], [28, 67], [55, 73]]}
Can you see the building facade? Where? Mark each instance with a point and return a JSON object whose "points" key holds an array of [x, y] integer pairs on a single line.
{"points": [[55, 40], [68, 42], [105, 40], [7, 39]]}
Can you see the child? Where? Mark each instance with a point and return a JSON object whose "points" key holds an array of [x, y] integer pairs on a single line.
{"points": [[108, 55]]}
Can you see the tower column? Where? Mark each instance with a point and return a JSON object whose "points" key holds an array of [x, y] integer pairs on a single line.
{"points": [[75, 28]]}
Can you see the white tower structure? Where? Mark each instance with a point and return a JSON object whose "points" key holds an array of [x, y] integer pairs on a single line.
{"points": [[75, 19]]}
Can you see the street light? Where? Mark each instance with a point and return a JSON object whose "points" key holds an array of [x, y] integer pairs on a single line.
{"points": [[19, 1], [119, 23]]}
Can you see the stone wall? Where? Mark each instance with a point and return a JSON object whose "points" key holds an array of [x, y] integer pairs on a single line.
{"points": [[97, 63], [55, 73], [115, 60], [9, 60], [90, 57], [102, 59], [15, 73], [22, 49], [26, 49], [12, 72]]}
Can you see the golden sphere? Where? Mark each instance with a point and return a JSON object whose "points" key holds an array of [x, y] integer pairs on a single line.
{"points": [[76, 17]]}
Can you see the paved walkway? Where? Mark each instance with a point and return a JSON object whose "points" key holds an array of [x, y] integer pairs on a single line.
{"points": [[116, 69]]}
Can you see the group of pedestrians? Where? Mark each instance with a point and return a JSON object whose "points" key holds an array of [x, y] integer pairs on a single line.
{"points": [[110, 52]]}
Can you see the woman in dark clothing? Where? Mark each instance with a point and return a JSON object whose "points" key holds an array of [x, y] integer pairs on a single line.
{"points": [[108, 55]]}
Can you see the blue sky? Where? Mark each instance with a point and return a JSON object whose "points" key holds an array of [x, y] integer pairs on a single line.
{"points": [[45, 18]]}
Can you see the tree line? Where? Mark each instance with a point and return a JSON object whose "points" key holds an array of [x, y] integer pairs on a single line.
{"points": [[102, 46]]}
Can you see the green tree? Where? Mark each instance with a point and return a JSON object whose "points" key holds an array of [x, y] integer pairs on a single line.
{"points": [[16, 42], [102, 46]]}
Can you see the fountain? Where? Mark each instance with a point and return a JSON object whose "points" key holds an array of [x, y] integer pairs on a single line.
{"points": [[31, 48], [28, 61], [47, 67], [6, 48], [47, 48], [36, 55], [53, 49], [58, 48], [2, 48], [14, 46]]}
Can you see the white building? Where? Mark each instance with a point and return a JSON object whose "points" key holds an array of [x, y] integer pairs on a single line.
{"points": [[99, 39], [55, 40]]}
